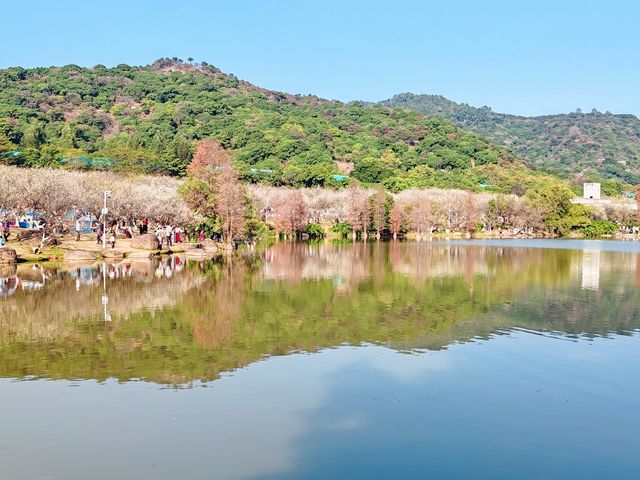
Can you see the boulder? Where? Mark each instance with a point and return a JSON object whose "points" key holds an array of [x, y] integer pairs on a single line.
{"points": [[8, 256], [209, 245], [112, 254], [145, 242], [79, 256], [142, 255], [197, 253], [183, 247]]}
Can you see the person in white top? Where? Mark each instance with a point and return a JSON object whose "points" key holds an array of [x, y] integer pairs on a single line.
{"points": [[168, 232]]}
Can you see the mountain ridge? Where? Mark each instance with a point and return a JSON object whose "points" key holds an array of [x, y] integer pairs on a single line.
{"points": [[586, 144], [148, 119]]}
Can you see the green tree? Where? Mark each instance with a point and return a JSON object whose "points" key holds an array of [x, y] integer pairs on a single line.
{"points": [[554, 202], [67, 136], [33, 135]]}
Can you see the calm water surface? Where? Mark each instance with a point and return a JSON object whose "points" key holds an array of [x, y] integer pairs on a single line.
{"points": [[484, 360]]}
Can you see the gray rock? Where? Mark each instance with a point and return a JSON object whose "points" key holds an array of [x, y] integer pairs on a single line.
{"points": [[112, 254], [197, 253], [79, 256], [143, 255], [145, 242]]}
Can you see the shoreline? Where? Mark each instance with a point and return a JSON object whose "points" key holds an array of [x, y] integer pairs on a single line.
{"points": [[88, 250]]}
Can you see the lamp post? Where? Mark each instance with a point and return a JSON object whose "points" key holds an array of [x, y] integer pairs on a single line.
{"points": [[105, 211]]}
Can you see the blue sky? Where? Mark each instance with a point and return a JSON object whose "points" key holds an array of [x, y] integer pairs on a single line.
{"points": [[522, 57]]}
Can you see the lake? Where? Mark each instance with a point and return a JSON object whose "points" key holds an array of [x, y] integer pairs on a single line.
{"points": [[468, 359]]}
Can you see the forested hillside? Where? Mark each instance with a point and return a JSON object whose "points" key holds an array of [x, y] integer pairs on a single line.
{"points": [[147, 120], [597, 143]]}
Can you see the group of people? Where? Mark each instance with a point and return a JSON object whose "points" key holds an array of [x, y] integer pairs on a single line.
{"points": [[168, 235], [111, 231]]}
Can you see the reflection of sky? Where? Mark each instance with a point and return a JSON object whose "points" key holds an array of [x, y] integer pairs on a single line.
{"points": [[516, 406], [562, 244]]}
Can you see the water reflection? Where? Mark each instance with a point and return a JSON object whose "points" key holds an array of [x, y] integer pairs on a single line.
{"points": [[172, 320]]}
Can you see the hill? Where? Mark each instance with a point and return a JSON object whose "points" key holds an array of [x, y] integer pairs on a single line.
{"points": [[593, 144], [147, 119]]}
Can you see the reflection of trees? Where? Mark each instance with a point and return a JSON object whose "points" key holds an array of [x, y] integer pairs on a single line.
{"points": [[305, 297], [73, 295], [300, 261]]}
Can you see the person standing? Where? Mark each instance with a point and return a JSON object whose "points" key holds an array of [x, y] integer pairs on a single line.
{"points": [[78, 229], [159, 234], [168, 231], [112, 240], [6, 231]]}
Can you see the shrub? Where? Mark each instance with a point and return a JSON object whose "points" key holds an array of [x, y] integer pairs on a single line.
{"points": [[599, 228], [314, 230], [343, 229]]}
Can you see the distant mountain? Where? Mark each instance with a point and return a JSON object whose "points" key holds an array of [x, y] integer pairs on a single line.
{"points": [[148, 118], [582, 143]]}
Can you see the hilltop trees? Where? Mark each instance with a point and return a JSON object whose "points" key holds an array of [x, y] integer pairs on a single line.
{"points": [[609, 145], [150, 119]]}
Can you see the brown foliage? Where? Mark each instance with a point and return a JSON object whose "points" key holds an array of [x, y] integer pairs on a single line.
{"points": [[359, 213], [379, 210], [208, 157], [213, 188], [397, 218], [289, 212], [230, 203]]}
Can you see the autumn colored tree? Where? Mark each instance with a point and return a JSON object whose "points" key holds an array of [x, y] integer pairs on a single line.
{"points": [[359, 213], [379, 201], [419, 216], [397, 218], [214, 190], [230, 204], [470, 215], [289, 213]]}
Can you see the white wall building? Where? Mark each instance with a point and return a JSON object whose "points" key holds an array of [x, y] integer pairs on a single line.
{"points": [[591, 195], [591, 191]]}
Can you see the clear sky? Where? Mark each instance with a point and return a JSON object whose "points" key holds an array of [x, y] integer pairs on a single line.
{"points": [[525, 57]]}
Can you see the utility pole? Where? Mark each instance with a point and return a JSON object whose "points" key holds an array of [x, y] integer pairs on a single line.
{"points": [[105, 211]]}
